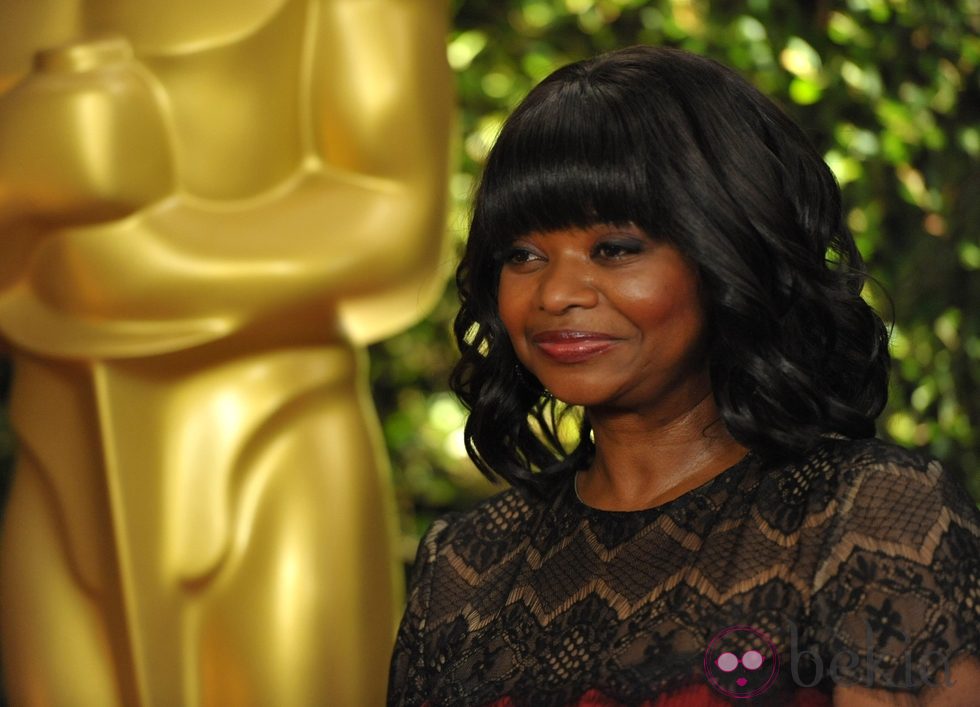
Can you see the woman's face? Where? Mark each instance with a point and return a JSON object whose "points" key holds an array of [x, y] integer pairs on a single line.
{"points": [[605, 316]]}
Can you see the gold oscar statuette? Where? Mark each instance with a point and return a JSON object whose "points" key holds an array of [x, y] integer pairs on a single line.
{"points": [[207, 209]]}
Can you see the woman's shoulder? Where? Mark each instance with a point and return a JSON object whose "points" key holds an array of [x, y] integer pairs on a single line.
{"points": [[877, 480], [862, 473], [859, 490], [892, 502], [490, 527], [861, 454], [846, 458]]}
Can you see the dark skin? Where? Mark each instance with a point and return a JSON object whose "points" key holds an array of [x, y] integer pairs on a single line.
{"points": [[611, 319], [644, 463]]}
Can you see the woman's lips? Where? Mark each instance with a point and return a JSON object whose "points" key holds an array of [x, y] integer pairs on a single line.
{"points": [[573, 346]]}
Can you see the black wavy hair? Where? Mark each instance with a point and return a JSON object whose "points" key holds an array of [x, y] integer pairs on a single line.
{"points": [[690, 152]]}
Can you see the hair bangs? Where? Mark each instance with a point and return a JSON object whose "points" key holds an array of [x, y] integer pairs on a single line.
{"points": [[572, 161]]}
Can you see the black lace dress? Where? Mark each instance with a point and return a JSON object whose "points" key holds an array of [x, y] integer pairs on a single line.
{"points": [[859, 565]]}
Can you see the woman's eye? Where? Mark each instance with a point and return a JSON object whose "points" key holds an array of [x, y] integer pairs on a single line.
{"points": [[517, 256], [613, 251]]}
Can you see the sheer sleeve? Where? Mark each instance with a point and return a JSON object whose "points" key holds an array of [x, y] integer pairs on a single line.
{"points": [[896, 596], [407, 677]]}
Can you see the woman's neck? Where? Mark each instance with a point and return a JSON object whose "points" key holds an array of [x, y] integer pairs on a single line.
{"points": [[643, 461]]}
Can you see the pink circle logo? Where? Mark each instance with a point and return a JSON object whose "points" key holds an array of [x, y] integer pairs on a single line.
{"points": [[741, 662]]}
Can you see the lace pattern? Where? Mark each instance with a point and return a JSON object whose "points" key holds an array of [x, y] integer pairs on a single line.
{"points": [[860, 563]]}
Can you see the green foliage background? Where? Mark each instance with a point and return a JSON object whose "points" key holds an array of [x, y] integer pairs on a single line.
{"points": [[887, 89]]}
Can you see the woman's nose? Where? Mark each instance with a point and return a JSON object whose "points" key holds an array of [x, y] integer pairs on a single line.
{"points": [[564, 285]]}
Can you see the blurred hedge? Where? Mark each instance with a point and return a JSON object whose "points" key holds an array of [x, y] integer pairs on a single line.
{"points": [[888, 91]]}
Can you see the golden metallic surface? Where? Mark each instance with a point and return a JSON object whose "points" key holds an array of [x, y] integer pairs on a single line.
{"points": [[206, 209]]}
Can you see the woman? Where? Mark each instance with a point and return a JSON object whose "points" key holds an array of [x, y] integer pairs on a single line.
{"points": [[655, 243]]}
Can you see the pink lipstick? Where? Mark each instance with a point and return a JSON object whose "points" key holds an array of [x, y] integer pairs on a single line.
{"points": [[569, 346]]}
